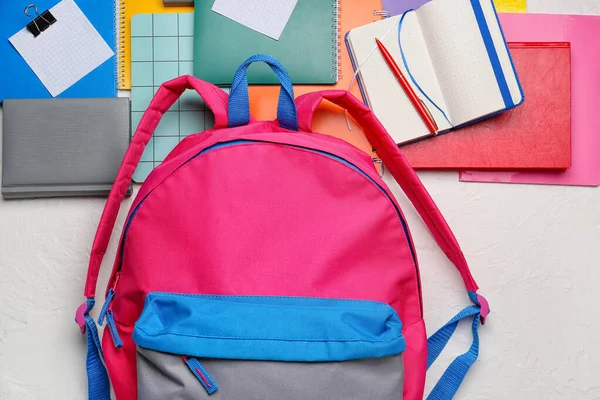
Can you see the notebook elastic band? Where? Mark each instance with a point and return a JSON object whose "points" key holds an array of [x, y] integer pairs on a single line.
{"points": [[412, 78]]}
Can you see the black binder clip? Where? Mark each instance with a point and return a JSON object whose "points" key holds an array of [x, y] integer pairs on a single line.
{"points": [[41, 22]]}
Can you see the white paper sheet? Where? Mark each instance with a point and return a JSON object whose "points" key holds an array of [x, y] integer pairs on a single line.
{"points": [[64, 53], [268, 17]]}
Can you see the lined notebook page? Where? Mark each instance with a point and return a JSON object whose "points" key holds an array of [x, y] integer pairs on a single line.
{"points": [[64, 53], [384, 94], [460, 59]]}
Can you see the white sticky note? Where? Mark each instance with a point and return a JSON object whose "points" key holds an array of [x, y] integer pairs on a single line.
{"points": [[268, 17], [66, 51]]}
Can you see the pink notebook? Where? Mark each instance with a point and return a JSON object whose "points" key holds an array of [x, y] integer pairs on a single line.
{"points": [[583, 33]]}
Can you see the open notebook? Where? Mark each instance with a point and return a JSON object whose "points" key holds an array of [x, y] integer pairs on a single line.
{"points": [[455, 57]]}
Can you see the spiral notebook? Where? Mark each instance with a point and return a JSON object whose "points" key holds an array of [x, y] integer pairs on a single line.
{"points": [[127, 9], [161, 49], [189, 115], [308, 46]]}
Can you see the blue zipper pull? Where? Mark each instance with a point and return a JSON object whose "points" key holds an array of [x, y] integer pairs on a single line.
{"points": [[112, 328], [107, 314], [203, 376]]}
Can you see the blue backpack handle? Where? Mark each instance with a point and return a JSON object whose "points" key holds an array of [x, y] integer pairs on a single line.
{"points": [[239, 105]]}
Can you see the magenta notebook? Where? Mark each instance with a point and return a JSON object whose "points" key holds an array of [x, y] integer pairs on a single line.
{"points": [[583, 33]]}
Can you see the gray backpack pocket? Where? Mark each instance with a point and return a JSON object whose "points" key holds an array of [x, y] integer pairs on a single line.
{"points": [[268, 348]]}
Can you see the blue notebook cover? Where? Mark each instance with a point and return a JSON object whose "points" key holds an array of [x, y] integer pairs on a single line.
{"points": [[17, 80]]}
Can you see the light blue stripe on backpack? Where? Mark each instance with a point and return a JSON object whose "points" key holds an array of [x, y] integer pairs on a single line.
{"points": [[268, 328]]}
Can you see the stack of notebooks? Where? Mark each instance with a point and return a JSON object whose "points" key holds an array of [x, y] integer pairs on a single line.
{"points": [[545, 62], [456, 58], [71, 145], [166, 44], [536, 135], [127, 9], [221, 44], [551, 116], [502, 100]]}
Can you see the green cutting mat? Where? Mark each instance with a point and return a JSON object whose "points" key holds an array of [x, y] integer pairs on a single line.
{"points": [[161, 49]]}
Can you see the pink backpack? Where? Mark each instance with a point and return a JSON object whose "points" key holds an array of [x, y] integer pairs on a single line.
{"points": [[262, 260]]}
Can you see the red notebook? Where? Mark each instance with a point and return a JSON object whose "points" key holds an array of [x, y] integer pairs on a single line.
{"points": [[535, 135]]}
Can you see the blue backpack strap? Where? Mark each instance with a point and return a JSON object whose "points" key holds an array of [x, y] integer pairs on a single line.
{"points": [[98, 383], [239, 105], [450, 381]]}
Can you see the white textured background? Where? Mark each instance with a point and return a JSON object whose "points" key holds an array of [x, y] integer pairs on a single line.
{"points": [[534, 250]]}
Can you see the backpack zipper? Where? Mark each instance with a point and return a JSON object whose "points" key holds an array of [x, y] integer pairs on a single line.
{"points": [[107, 313], [231, 144], [201, 374]]}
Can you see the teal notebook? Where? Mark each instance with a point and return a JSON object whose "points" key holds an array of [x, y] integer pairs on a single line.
{"points": [[308, 47], [161, 49]]}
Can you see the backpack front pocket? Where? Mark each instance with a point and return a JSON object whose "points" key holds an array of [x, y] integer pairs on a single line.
{"points": [[268, 348]]}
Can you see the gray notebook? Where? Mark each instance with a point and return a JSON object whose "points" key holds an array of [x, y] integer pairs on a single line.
{"points": [[63, 147]]}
